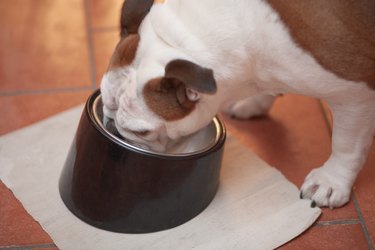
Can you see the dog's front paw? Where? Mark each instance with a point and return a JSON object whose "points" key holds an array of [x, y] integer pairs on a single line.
{"points": [[326, 189], [250, 107]]}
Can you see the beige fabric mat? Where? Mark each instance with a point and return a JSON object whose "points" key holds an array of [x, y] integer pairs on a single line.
{"points": [[255, 207]]}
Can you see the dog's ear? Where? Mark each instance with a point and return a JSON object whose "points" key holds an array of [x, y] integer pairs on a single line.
{"points": [[132, 14], [195, 78], [176, 94]]}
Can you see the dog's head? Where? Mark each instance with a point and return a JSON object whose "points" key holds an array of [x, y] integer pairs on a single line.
{"points": [[154, 99]]}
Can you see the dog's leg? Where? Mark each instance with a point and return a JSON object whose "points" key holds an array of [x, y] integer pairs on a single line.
{"points": [[352, 135], [250, 107]]}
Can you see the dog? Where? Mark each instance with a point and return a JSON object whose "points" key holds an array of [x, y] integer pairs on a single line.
{"points": [[180, 62]]}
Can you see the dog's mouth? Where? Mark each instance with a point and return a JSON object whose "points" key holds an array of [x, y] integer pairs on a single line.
{"points": [[124, 135], [183, 145], [195, 143], [110, 125]]}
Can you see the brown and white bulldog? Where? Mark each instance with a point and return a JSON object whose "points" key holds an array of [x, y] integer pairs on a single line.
{"points": [[179, 63]]}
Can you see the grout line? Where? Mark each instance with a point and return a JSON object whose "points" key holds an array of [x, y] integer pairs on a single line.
{"points": [[90, 43], [362, 222], [45, 91], [27, 247], [337, 222]]}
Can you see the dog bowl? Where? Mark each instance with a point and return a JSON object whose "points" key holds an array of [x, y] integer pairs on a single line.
{"points": [[114, 185]]}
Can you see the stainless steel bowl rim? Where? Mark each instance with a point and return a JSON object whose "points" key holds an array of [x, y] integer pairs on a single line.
{"points": [[219, 138]]}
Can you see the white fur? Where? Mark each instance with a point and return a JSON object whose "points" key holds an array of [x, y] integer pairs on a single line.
{"points": [[250, 107], [251, 53]]}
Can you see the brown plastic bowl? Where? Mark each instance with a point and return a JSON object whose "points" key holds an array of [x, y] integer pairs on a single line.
{"points": [[114, 185]]}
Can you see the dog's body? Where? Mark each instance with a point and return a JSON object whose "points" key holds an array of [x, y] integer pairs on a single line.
{"points": [[179, 64]]}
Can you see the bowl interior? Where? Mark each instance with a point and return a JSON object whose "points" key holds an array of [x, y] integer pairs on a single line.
{"points": [[196, 143]]}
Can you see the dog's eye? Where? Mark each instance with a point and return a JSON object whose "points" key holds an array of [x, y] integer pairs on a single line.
{"points": [[141, 133]]}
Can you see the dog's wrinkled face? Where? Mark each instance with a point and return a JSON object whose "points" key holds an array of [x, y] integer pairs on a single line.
{"points": [[153, 104]]}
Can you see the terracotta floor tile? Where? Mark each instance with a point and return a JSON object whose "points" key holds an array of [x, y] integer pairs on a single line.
{"points": [[294, 138], [343, 237], [104, 14], [43, 44], [364, 186], [328, 113], [104, 44], [346, 212], [17, 227], [365, 193], [22, 110]]}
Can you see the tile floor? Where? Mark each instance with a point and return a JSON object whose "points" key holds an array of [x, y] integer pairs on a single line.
{"points": [[53, 54]]}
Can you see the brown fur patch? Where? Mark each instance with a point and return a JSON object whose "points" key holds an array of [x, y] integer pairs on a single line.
{"points": [[192, 75], [167, 98], [340, 34], [124, 52], [132, 14]]}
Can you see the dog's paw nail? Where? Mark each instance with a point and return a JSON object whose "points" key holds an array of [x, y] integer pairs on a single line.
{"points": [[301, 195], [313, 204]]}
